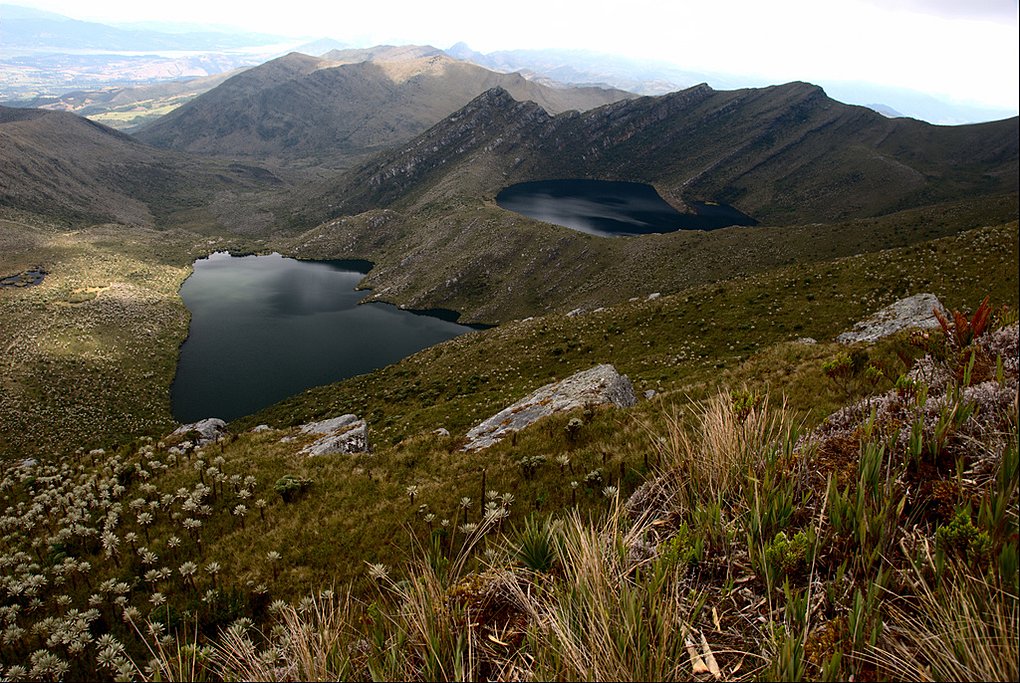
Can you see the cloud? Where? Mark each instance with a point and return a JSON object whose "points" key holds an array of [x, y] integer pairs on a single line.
{"points": [[998, 11]]}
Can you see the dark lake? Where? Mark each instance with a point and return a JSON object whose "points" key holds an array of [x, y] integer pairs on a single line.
{"points": [[612, 208], [266, 327]]}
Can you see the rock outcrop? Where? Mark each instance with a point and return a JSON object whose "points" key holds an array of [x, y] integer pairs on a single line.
{"points": [[343, 434], [914, 311], [208, 430], [600, 385]]}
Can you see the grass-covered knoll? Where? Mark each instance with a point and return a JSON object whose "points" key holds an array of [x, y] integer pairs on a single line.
{"points": [[89, 354], [751, 549]]}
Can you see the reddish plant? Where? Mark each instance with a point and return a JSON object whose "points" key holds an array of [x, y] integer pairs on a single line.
{"points": [[959, 330]]}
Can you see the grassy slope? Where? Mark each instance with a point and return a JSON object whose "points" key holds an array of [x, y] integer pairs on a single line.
{"points": [[663, 342], [494, 265], [44, 415], [357, 511], [685, 346]]}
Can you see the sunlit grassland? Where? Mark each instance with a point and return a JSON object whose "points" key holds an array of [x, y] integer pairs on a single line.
{"points": [[90, 353], [133, 115]]}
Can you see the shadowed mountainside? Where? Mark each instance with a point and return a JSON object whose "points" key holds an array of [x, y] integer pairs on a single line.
{"points": [[69, 168], [350, 104]]}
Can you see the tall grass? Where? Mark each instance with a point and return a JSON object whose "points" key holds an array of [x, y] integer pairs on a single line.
{"points": [[614, 613], [965, 630], [716, 447]]}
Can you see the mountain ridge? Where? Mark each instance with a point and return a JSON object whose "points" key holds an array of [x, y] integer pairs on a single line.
{"points": [[346, 105], [781, 154]]}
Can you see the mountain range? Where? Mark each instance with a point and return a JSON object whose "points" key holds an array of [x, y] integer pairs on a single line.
{"points": [[649, 77], [414, 127], [745, 495], [344, 105], [28, 28], [782, 154]]}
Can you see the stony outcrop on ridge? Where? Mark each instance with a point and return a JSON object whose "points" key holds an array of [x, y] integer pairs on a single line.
{"points": [[600, 385], [782, 154], [204, 431], [914, 311], [343, 434]]}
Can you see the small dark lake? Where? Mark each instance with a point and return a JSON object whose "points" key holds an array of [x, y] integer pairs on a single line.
{"points": [[28, 278], [612, 208], [266, 327]]}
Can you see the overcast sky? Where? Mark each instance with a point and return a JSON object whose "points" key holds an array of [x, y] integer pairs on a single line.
{"points": [[964, 50]]}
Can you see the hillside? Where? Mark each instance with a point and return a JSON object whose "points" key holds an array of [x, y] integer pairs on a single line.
{"points": [[737, 492], [776, 536], [331, 111], [783, 154], [493, 265], [64, 167]]}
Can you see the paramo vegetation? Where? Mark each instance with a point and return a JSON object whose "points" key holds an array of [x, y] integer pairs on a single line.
{"points": [[879, 543]]}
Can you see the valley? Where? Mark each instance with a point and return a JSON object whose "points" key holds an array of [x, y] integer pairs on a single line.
{"points": [[768, 500]]}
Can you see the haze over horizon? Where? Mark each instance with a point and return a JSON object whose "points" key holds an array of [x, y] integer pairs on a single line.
{"points": [[966, 53]]}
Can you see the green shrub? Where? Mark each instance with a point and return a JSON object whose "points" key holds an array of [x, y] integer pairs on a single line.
{"points": [[960, 538], [536, 545], [529, 465], [573, 429], [290, 487], [786, 556]]}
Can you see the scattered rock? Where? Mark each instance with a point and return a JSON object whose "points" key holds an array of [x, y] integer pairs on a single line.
{"points": [[574, 313], [442, 431], [209, 430], [261, 428], [805, 340], [914, 311], [599, 385], [343, 434], [650, 394], [653, 296]]}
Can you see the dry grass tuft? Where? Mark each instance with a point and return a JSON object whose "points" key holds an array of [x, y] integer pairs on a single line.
{"points": [[965, 630]]}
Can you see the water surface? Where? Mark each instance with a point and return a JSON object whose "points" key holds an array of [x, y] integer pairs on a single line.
{"points": [[612, 208], [266, 327]]}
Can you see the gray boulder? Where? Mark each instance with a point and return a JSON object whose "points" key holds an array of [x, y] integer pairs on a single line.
{"points": [[600, 385], [914, 311], [343, 434], [209, 430]]}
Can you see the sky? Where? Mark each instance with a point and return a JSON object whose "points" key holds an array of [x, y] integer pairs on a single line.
{"points": [[965, 51]]}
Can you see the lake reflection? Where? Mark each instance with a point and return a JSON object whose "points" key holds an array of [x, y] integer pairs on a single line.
{"points": [[266, 327], [612, 208]]}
